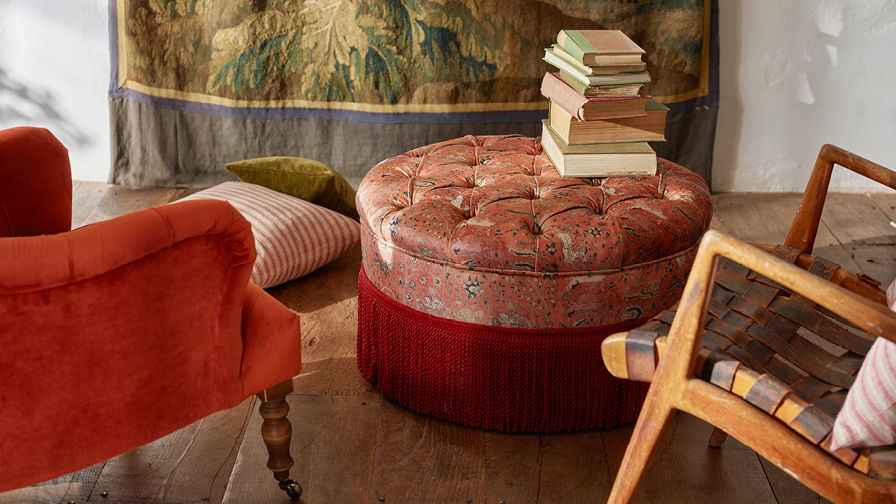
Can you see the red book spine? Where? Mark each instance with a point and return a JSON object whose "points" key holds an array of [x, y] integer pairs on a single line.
{"points": [[559, 92]]}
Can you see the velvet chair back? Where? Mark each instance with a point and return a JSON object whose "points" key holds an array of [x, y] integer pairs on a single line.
{"points": [[35, 183]]}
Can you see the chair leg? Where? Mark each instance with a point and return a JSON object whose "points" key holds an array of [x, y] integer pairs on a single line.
{"points": [[277, 433], [717, 437], [651, 422]]}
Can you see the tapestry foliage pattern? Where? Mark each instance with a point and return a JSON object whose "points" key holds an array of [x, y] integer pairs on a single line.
{"points": [[389, 56]]}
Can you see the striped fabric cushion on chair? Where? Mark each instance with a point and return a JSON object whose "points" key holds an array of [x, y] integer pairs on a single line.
{"points": [[868, 417], [292, 237]]}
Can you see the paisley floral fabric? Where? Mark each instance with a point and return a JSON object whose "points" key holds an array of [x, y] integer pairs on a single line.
{"points": [[484, 230]]}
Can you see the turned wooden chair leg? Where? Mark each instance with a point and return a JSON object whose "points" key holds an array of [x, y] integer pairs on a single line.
{"points": [[277, 433]]}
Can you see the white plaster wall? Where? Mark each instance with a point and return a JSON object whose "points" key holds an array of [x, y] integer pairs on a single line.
{"points": [[796, 74], [54, 73]]}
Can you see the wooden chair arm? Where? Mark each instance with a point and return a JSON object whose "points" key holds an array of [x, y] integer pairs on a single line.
{"points": [[618, 361], [805, 224], [634, 355], [871, 316], [860, 284]]}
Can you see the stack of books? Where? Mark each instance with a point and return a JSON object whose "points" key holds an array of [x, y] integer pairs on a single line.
{"points": [[600, 118]]}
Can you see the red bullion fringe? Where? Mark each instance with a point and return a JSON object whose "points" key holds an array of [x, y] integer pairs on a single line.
{"points": [[491, 377]]}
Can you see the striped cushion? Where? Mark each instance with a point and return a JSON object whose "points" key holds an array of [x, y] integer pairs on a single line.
{"points": [[292, 237], [868, 416]]}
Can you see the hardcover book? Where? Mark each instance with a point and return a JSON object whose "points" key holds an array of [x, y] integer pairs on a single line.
{"points": [[596, 69], [595, 47], [595, 79], [598, 160], [589, 109], [651, 127], [606, 90]]}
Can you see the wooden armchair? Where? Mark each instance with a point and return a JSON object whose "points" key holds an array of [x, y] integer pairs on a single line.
{"points": [[764, 346]]}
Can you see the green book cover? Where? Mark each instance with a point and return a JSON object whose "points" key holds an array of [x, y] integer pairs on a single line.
{"points": [[631, 90], [596, 68], [567, 41], [594, 79], [580, 43], [585, 44], [654, 105], [573, 82]]}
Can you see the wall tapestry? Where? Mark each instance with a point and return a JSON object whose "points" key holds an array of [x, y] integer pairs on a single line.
{"points": [[200, 83]]}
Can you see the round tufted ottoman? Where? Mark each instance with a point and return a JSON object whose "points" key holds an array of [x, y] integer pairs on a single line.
{"points": [[489, 281]]}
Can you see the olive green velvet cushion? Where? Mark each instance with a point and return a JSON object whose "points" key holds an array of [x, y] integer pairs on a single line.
{"points": [[303, 178]]}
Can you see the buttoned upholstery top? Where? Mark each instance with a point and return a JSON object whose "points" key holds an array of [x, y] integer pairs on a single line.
{"points": [[485, 230]]}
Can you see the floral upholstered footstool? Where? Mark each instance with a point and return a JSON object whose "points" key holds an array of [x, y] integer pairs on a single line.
{"points": [[489, 281]]}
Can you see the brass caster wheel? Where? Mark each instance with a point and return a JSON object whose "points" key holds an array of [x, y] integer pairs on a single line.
{"points": [[292, 489]]}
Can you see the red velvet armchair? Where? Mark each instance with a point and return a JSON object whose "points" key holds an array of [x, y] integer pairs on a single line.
{"points": [[127, 329]]}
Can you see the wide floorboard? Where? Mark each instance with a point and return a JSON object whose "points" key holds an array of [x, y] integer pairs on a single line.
{"points": [[352, 445]]}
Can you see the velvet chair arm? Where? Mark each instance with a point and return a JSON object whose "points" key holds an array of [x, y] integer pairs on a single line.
{"points": [[42, 262], [118, 333], [271, 339]]}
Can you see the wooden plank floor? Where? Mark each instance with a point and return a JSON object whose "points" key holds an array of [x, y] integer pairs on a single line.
{"points": [[352, 445]]}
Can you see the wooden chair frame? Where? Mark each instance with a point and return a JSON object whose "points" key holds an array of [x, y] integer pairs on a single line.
{"points": [[808, 215], [675, 387]]}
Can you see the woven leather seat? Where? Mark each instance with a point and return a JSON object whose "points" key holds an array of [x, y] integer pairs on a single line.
{"points": [[760, 339], [765, 352]]}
